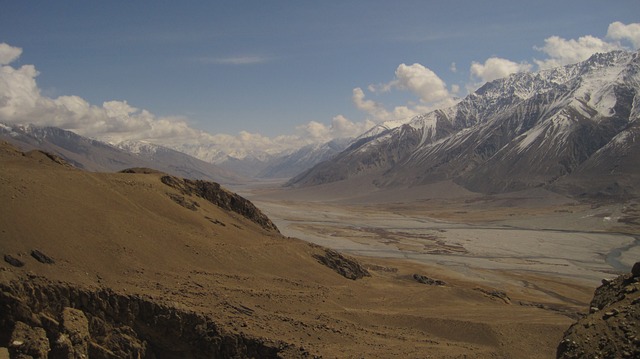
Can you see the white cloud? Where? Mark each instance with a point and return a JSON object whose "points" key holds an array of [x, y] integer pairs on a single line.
{"points": [[496, 68], [340, 127], [422, 81], [9, 54], [620, 31], [563, 52], [21, 102], [378, 113], [343, 127], [416, 78]]}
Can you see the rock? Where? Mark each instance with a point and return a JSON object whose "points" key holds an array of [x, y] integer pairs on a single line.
{"points": [[41, 257], [613, 319], [28, 342], [346, 267], [76, 327], [141, 170], [635, 271], [222, 198], [495, 294], [426, 280], [13, 260], [112, 325], [192, 205]]}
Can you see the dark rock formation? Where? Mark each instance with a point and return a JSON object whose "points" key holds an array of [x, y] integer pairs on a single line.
{"points": [[192, 205], [635, 271], [426, 280], [13, 260], [41, 257], [346, 267], [495, 294], [611, 328], [40, 317], [140, 170], [222, 198]]}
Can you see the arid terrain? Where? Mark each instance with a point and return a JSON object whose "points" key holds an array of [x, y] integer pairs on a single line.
{"points": [[177, 269]]}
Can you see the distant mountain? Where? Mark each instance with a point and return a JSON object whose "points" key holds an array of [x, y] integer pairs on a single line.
{"points": [[286, 164], [178, 163], [289, 165], [573, 128], [93, 155]]}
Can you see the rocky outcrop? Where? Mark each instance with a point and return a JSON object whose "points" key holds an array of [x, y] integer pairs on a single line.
{"points": [[41, 318], [13, 260], [346, 267], [426, 280], [41, 257], [28, 342], [222, 198], [611, 328]]}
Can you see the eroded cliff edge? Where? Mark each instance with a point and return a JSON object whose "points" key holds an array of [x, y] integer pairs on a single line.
{"points": [[43, 318]]}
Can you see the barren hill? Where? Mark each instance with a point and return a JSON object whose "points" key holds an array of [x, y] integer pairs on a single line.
{"points": [[127, 264]]}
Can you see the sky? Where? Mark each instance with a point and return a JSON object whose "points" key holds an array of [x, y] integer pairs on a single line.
{"points": [[250, 76]]}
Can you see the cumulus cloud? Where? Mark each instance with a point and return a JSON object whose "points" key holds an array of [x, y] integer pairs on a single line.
{"points": [[563, 52], [378, 113], [340, 127], [9, 54], [496, 67], [21, 102], [620, 31], [422, 81], [419, 80]]}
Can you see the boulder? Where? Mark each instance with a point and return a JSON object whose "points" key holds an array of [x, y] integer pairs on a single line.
{"points": [[28, 342]]}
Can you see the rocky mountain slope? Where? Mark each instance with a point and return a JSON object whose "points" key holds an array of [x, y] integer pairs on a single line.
{"points": [[572, 129], [142, 264], [612, 327], [93, 155]]}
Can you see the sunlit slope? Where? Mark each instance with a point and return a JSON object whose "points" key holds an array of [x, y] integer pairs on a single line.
{"points": [[133, 234]]}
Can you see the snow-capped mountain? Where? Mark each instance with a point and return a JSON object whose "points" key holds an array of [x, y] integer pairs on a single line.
{"points": [[548, 128], [289, 165], [178, 163]]}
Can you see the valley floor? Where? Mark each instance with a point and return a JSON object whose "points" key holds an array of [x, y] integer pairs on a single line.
{"points": [[535, 248]]}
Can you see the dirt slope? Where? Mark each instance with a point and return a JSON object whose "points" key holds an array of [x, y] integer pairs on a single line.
{"points": [[131, 236]]}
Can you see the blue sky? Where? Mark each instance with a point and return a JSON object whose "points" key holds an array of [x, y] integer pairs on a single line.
{"points": [[274, 68]]}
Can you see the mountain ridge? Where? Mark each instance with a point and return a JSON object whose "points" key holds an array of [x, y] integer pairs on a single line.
{"points": [[526, 130]]}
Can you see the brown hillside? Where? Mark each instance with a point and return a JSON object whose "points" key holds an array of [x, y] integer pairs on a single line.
{"points": [[150, 269]]}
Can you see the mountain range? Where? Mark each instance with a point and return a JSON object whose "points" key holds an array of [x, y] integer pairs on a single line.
{"points": [[572, 129], [96, 156]]}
